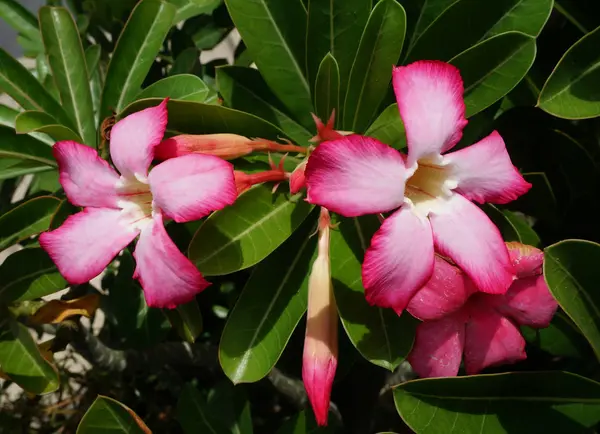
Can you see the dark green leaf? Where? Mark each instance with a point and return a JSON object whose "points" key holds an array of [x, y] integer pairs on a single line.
{"points": [[24, 147], [20, 19], [92, 58], [138, 44], [8, 117], [244, 89], [327, 87], [515, 403], [268, 310], [572, 274], [14, 167], [275, 34], [187, 320], [208, 35], [388, 128], [194, 416], [379, 49], [27, 219], [108, 415], [190, 8], [512, 226], [184, 87], [68, 65], [421, 14], [560, 338], [40, 122], [230, 404], [187, 62]]}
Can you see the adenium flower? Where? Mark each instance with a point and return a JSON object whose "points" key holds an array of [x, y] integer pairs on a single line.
{"points": [[319, 361], [118, 208], [457, 319], [243, 180], [429, 190]]}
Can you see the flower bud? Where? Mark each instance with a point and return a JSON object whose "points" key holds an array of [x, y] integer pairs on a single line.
{"points": [[226, 146], [297, 178], [243, 181], [325, 131]]}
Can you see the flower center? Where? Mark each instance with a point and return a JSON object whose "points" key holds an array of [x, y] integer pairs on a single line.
{"points": [[135, 201], [429, 183]]}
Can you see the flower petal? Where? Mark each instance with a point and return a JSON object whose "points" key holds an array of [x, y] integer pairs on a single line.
{"points": [[527, 260], [355, 175], [430, 101], [484, 172], [86, 242], [446, 292], [133, 138], [491, 339], [191, 187], [438, 346], [399, 260], [529, 302], [466, 235], [167, 277], [87, 179]]}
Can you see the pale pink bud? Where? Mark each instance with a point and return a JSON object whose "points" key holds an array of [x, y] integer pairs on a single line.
{"points": [[226, 146], [297, 178], [319, 361]]}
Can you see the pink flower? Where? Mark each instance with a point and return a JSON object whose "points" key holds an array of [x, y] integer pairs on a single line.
{"points": [[459, 320], [118, 208], [430, 192]]}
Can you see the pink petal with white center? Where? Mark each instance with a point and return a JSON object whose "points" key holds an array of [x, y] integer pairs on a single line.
{"points": [[491, 339], [464, 233], [167, 277], [399, 260], [355, 175], [438, 347], [446, 292], [191, 187], [133, 138], [86, 242], [431, 105], [87, 179], [529, 302], [484, 172], [527, 260]]}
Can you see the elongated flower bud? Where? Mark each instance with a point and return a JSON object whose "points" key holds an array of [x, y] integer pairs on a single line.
{"points": [[243, 181], [226, 146], [297, 178], [319, 361]]}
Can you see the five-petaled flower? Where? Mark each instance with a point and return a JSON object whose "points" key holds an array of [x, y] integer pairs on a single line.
{"points": [[118, 208], [430, 192], [484, 327]]}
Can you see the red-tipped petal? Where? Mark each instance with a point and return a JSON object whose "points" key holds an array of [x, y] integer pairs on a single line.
{"points": [[297, 179], [527, 260], [529, 302]]}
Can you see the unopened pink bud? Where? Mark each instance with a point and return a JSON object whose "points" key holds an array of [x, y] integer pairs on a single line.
{"points": [[297, 178], [243, 181], [226, 146]]}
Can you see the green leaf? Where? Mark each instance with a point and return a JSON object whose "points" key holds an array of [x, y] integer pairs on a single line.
{"points": [[515, 403], [8, 117], [388, 128], [335, 27], [187, 320], [29, 274], [275, 35], [560, 338], [572, 275], [230, 404], [29, 218], [68, 65], [245, 233], [379, 49], [268, 310], [92, 58], [194, 415], [525, 16], [187, 117], [327, 87], [12, 168], [138, 44], [572, 90], [109, 415], [24, 147], [34, 121], [190, 8], [19, 17], [24, 88], [492, 68], [512, 226], [421, 14], [183, 87], [380, 335], [245, 89], [21, 360]]}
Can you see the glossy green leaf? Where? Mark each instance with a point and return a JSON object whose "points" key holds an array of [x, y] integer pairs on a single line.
{"points": [[245, 233], [92, 58], [420, 15], [27, 219], [571, 272], [21, 360], [512, 403], [327, 87], [492, 18], [582, 18], [512, 226], [69, 69], [572, 89], [380, 335], [560, 338], [187, 320], [244, 89], [379, 49], [14, 167], [107, 415], [34, 121], [194, 415], [335, 27], [8, 117], [268, 310], [29, 274], [24, 88], [24, 147], [184, 87], [190, 8], [138, 45], [20, 18], [186, 117], [275, 35], [491, 69], [388, 128]]}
